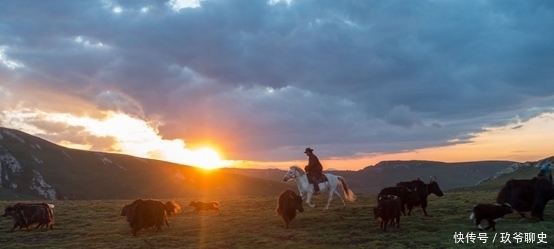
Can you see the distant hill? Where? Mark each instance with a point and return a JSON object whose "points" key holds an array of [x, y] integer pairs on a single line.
{"points": [[33, 168], [387, 173]]}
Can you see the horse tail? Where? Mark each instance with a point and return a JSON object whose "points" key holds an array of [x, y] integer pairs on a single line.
{"points": [[348, 194]]}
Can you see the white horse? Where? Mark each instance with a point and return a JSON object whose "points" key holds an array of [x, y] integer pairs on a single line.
{"points": [[304, 187]]}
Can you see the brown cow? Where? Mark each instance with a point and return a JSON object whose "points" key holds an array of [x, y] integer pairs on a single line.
{"points": [[27, 214], [288, 203], [143, 214], [206, 206]]}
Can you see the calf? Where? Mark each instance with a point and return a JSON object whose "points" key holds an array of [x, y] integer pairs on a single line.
{"points": [[388, 210], [403, 193], [206, 206], [287, 205], [381, 198], [490, 212]]}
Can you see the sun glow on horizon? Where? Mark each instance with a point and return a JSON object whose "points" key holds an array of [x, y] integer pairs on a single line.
{"points": [[121, 133], [207, 158]]}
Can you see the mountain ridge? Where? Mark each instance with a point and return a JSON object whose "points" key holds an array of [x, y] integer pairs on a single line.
{"points": [[31, 167], [34, 168]]}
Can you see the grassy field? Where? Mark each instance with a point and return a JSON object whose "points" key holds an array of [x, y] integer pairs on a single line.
{"points": [[251, 222]]}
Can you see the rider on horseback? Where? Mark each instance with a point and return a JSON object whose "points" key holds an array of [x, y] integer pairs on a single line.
{"points": [[314, 169]]}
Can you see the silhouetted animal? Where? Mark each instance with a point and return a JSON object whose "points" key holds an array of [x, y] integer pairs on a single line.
{"points": [[423, 191], [206, 206], [289, 202], [405, 194], [388, 210], [490, 212], [28, 214], [526, 195], [143, 214]]}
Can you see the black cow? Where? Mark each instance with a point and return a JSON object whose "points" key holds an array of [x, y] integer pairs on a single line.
{"points": [[406, 196], [423, 191], [526, 195], [143, 214], [26, 215], [490, 212], [287, 205], [388, 210]]}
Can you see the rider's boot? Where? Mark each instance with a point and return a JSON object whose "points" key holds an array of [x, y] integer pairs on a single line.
{"points": [[316, 187]]}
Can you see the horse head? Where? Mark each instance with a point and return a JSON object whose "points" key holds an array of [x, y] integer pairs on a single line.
{"points": [[293, 173]]}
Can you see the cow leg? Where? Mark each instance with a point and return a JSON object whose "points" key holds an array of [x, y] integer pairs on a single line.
{"points": [[424, 207], [385, 226], [286, 219], [403, 209], [424, 211]]}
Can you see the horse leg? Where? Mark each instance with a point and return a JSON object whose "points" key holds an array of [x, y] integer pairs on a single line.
{"points": [[331, 191], [309, 199], [329, 200], [340, 197]]}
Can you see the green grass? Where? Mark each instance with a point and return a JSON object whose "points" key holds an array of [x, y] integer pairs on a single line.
{"points": [[251, 222]]}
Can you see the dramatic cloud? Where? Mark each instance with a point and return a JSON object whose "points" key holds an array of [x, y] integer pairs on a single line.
{"points": [[262, 80]]}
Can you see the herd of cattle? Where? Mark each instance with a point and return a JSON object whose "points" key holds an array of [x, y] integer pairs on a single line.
{"points": [[520, 195], [393, 201]]}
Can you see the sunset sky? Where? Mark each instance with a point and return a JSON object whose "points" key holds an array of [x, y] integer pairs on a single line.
{"points": [[242, 83]]}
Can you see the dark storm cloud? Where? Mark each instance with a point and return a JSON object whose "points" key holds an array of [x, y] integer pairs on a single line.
{"points": [[349, 77]]}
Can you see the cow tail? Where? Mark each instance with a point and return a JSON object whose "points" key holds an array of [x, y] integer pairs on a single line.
{"points": [[348, 194], [279, 210], [172, 207]]}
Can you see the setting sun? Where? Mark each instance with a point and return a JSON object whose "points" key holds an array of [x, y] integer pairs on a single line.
{"points": [[206, 158]]}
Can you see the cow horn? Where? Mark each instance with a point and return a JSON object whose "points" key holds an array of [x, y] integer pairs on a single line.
{"points": [[430, 179]]}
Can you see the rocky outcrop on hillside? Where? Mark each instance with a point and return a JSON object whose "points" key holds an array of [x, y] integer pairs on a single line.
{"points": [[11, 168], [514, 167]]}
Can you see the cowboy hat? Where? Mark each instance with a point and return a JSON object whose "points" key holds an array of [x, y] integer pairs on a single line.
{"points": [[308, 150]]}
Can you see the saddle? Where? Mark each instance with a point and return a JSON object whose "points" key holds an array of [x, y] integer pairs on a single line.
{"points": [[319, 179]]}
